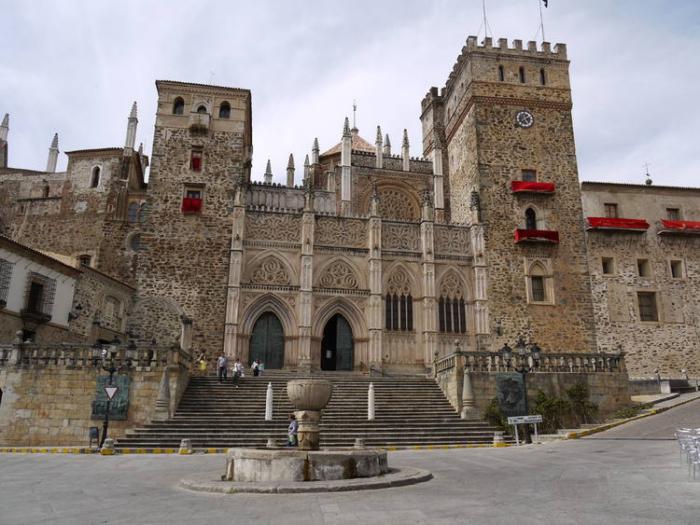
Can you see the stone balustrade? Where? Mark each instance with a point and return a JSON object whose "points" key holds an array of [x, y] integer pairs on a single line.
{"points": [[554, 362], [66, 355]]}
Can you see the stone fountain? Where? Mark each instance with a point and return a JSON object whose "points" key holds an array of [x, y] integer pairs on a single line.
{"points": [[289, 469]]}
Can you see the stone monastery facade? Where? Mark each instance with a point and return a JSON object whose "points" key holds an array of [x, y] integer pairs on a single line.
{"points": [[368, 258]]}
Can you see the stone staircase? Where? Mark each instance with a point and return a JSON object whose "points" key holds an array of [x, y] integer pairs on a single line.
{"points": [[409, 411]]}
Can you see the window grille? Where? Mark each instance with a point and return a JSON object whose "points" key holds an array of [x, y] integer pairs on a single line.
{"points": [[5, 277]]}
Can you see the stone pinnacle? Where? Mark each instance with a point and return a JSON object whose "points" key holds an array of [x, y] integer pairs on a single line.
{"points": [[379, 135], [290, 163], [346, 128]]}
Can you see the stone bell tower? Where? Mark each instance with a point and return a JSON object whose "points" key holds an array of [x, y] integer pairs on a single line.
{"points": [[201, 149], [502, 126]]}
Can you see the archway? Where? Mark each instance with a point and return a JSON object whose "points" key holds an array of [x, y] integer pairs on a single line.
{"points": [[267, 341], [337, 346]]}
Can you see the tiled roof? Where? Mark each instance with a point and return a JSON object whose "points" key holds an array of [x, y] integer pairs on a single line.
{"points": [[358, 144], [95, 150]]}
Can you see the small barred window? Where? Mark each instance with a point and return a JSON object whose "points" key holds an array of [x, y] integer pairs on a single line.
{"points": [[5, 277]]}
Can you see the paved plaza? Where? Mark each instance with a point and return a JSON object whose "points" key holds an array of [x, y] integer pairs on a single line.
{"points": [[630, 474]]}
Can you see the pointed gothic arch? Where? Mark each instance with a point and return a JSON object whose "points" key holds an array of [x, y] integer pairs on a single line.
{"points": [[355, 319], [259, 309]]}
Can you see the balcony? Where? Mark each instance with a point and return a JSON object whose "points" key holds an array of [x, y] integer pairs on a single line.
{"points": [[31, 315], [617, 224], [536, 236], [199, 122], [679, 227], [522, 186], [190, 205]]}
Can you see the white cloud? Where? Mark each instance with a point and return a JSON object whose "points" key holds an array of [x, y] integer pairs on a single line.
{"points": [[75, 67]]}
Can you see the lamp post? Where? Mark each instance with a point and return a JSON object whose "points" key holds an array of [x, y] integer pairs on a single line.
{"points": [[525, 352], [104, 356]]}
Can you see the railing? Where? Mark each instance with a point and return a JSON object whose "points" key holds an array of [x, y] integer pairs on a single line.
{"points": [[556, 362], [29, 355]]}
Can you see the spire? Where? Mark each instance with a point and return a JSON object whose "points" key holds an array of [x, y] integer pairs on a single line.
{"points": [[307, 168], [268, 173], [379, 154], [405, 152], [53, 155], [346, 128], [5, 127], [141, 149], [354, 129], [131, 131], [290, 171], [315, 152], [387, 145]]}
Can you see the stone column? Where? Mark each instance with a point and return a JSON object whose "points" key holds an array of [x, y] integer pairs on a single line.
{"points": [[233, 297], [438, 187], [375, 285], [469, 410], [346, 170], [162, 410], [480, 313], [305, 303], [428, 266]]}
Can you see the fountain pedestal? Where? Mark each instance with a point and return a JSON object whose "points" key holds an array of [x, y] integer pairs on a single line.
{"points": [[309, 397]]}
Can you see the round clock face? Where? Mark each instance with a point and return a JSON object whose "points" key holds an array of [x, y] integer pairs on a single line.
{"points": [[524, 119]]}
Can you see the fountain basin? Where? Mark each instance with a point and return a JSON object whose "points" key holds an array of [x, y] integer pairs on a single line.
{"points": [[262, 465], [309, 394]]}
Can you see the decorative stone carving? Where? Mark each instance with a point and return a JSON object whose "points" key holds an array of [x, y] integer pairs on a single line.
{"points": [[270, 271], [341, 232], [273, 227], [396, 204], [405, 237], [339, 274], [451, 286], [399, 282], [450, 239]]}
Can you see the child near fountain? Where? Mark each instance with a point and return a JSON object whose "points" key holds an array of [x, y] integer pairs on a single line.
{"points": [[292, 431]]}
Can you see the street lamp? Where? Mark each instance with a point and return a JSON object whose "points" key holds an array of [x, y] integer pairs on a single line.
{"points": [[104, 356]]}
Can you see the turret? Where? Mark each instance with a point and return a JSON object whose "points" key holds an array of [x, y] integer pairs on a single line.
{"points": [[268, 173], [315, 152], [405, 152], [345, 163], [380, 152], [387, 145], [5, 127], [290, 171], [307, 168], [131, 131], [53, 155]]}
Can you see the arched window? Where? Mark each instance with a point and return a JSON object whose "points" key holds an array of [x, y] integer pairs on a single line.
{"points": [[452, 314], [539, 284], [95, 179], [543, 77], [521, 74], [225, 110], [398, 303], [501, 73], [202, 109], [112, 313], [530, 219], [133, 214], [178, 106], [85, 259]]}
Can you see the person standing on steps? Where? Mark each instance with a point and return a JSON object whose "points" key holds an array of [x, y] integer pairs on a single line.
{"points": [[202, 363], [237, 371], [255, 367], [222, 364], [292, 431]]}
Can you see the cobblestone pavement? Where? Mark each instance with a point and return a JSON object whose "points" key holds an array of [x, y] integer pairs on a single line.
{"points": [[630, 474]]}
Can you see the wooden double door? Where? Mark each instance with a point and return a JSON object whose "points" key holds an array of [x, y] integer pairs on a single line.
{"points": [[267, 342], [336, 346]]}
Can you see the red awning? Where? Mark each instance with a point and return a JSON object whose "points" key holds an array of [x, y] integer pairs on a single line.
{"points": [[690, 226], [522, 186], [191, 205], [550, 236], [609, 223]]}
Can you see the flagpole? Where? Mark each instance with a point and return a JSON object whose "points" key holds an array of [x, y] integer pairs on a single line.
{"points": [[539, 2]]}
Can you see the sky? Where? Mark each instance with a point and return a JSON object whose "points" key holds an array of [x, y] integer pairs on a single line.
{"points": [[75, 67]]}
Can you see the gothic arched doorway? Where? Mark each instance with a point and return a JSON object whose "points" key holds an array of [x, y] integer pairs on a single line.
{"points": [[336, 346], [267, 341]]}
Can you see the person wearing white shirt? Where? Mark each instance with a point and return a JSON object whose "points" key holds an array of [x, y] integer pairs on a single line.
{"points": [[237, 371]]}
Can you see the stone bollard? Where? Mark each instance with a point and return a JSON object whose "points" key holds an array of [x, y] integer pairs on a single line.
{"points": [[370, 403], [108, 447], [359, 443], [185, 446], [498, 439], [270, 443], [268, 403]]}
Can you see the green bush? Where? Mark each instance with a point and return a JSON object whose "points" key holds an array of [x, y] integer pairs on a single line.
{"points": [[494, 415], [554, 412], [630, 411], [582, 409]]}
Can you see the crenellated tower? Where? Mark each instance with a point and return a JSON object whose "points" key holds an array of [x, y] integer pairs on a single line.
{"points": [[501, 133]]}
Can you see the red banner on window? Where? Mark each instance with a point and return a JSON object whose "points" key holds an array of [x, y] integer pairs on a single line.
{"points": [[191, 205], [522, 186], [690, 226], [537, 236], [611, 223]]}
